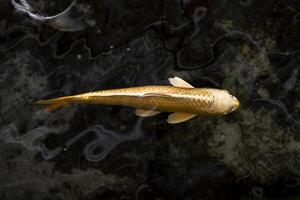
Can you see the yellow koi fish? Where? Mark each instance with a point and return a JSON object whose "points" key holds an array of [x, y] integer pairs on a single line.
{"points": [[182, 99]]}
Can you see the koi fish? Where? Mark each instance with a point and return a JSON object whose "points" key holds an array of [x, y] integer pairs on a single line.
{"points": [[181, 98]]}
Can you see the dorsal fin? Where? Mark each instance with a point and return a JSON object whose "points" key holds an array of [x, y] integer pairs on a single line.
{"points": [[178, 82], [152, 94]]}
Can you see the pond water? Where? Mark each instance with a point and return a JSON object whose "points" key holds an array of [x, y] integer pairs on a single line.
{"points": [[57, 48]]}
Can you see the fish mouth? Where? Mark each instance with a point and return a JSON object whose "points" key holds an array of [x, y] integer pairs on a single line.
{"points": [[236, 103]]}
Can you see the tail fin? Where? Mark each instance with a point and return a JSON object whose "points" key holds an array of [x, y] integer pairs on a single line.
{"points": [[53, 104]]}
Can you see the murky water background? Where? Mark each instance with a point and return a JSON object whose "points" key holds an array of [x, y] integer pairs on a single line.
{"points": [[251, 48]]}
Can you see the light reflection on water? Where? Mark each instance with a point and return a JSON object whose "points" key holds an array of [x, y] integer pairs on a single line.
{"points": [[106, 140]]}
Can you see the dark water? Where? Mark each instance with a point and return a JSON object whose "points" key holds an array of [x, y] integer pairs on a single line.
{"points": [[251, 48]]}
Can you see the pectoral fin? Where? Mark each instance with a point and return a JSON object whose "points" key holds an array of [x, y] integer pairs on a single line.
{"points": [[178, 82], [175, 118], [146, 113]]}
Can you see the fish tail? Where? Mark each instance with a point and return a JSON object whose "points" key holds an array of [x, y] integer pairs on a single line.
{"points": [[53, 104]]}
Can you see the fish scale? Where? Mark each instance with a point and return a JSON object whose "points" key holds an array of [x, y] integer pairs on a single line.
{"points": [[162, 98]]}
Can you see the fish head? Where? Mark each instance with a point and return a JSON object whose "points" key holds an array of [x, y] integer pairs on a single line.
{"points": [[226, 103], [234, 104]]}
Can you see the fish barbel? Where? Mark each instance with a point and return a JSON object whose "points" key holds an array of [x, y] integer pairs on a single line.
{"points": [[182, 99]]}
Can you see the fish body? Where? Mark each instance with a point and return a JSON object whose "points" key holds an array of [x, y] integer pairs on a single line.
{"points": [[182, 99], [158, 98]]}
